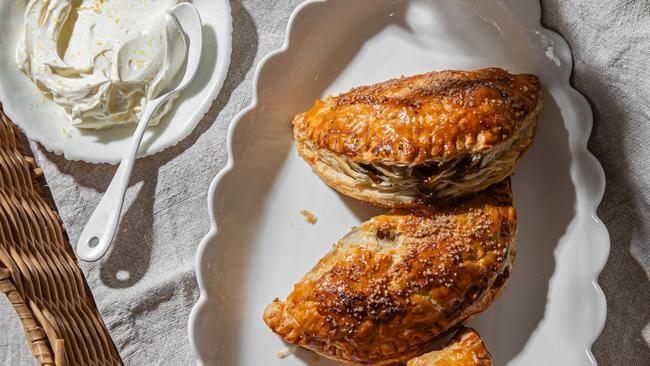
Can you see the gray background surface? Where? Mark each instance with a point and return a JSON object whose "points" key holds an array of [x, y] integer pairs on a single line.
{"points": [[146, 286]]}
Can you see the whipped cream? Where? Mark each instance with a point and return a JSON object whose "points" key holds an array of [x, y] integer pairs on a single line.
{"points": [[102, 60]]}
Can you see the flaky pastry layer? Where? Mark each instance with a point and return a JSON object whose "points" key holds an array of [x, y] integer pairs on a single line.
{"points": [[465, 349], [400, 280], [427, 137]]}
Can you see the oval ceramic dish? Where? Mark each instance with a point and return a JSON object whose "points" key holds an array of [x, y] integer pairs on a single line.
{"points": [[44, 121], [259, 245]]}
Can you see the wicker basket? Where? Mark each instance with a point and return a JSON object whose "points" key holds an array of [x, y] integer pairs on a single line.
{"points": [[38, 272]]}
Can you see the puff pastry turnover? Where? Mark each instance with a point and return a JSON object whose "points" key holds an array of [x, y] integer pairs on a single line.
{"points": [[465, 349], [421, 138], [399, 280]]}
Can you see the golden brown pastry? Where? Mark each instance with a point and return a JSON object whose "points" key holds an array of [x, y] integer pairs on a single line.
{"points": [[465, 349], [421, 138], [399, 280]]}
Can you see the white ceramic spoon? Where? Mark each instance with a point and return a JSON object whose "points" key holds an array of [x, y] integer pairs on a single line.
{"points": [[100, 230]]}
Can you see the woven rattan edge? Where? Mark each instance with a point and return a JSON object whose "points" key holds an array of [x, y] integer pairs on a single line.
{"points": [[38, 272]]}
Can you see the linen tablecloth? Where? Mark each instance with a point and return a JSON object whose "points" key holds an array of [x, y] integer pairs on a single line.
{"points": [[146, 287]]}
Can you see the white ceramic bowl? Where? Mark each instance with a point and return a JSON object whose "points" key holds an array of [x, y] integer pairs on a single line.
{"points": [[45, 122], [259, 244]]}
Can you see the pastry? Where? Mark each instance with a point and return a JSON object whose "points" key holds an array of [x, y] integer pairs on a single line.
{"points": [[465, 349], [422, 138], [400, 280]]}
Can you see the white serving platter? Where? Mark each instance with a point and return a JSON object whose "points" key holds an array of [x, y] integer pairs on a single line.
{"points": [[44, 121], [259, 244]]}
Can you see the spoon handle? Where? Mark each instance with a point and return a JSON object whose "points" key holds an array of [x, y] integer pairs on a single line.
{"points": [[100, 230]]}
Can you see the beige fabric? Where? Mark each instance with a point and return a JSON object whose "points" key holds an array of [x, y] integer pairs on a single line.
{"points": [[146, 286], [611, 45]]}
